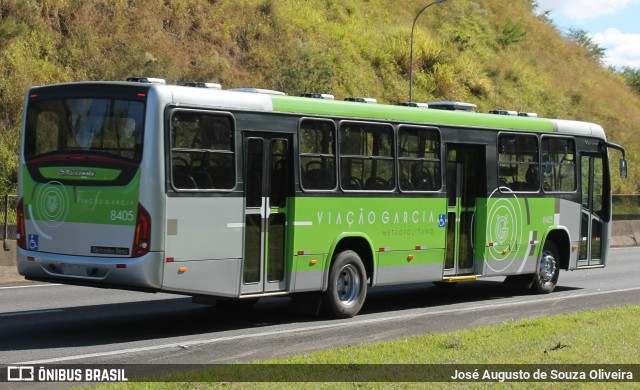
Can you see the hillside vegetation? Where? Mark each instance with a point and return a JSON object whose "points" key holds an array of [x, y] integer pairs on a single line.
{"points": [[494, 53]]}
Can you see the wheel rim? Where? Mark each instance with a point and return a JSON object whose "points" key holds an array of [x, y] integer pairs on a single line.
{"points": [[348, 285], [547, 268]]}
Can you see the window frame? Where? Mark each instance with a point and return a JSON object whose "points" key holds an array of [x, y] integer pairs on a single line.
{"points": [[437, 160], [536, 164], [575, 163], [170, 149], [392, 158], [300, 155], [38, 106]]}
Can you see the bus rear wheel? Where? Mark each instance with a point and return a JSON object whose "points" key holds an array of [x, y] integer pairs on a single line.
{"points": [[548, 270], [347, 286]]}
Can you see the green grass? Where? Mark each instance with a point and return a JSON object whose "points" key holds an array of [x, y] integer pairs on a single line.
{"points": [[591, 337]]}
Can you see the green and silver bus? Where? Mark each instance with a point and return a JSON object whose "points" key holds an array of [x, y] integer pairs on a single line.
{"points": [[232, 196]]}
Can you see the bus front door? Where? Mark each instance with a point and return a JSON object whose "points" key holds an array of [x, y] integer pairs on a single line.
{"points": [[465, 177], [267, 177], [593, 211]]}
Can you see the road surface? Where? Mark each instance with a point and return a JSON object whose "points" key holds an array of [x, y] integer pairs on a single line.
{"points": [[45, 324]]}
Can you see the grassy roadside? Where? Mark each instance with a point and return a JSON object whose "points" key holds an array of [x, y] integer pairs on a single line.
{"points": [[607, 336]]}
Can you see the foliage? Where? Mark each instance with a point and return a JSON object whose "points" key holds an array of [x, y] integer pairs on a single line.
{"points": [[631, 77], [8, 160], [494, 53], [582, 38], [311, 72], [512, 32]]}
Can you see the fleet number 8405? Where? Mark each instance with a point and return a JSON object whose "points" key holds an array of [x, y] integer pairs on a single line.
{"points": [[122, 215]]}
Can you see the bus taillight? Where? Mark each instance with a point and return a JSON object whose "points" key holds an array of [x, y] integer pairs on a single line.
{"points": [[21, 237], [142, 236]]}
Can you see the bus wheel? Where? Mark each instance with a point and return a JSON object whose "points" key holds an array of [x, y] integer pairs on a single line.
{"points": [[347, 286], [546, 276]]}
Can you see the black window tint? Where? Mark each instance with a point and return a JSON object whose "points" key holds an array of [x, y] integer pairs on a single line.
{"points": [[518, 168], [317, 155], [366, 157], [419, 159], [558, 164], [202, 154], [107, 126], [279, 169]]}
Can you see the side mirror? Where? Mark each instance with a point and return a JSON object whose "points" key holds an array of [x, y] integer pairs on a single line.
{"points": [[623, 168], [623, 161]]}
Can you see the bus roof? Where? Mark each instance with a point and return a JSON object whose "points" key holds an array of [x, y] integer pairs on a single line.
{"points": [[433, 116], [228, 99]]}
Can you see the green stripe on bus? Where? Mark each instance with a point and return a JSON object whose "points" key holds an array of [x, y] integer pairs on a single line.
{"points": [[408, 114]]}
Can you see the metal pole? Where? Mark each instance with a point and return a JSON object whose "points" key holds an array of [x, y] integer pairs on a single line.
{"points": [[411, 55]]}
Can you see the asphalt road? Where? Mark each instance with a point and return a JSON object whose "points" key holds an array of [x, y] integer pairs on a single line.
{"points": [[42, 324]]}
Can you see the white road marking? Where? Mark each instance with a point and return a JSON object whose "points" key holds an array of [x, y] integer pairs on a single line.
{"points": [[31, 286], [342, 324]]}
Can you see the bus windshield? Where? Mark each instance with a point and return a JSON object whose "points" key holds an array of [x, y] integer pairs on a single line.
{"points": [[107, 126]]}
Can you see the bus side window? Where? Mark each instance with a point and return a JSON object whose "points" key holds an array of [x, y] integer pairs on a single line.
{"points": [[419, 158], [532, 177], [366, 157], [181, 174], [202, 151], [317, 155], [559, 164], [518, 162]]}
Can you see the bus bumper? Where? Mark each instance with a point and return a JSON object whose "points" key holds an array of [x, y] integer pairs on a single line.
{"points": [[143, 272]]}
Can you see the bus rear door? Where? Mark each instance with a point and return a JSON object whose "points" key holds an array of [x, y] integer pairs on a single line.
{"points": [[593, 211], [465, 177], [267, 179]]}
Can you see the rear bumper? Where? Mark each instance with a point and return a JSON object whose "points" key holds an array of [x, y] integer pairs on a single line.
{"points": [[137, 273]]}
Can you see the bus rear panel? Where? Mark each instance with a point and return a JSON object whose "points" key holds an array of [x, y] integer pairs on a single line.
{"points": [[81, 219]]}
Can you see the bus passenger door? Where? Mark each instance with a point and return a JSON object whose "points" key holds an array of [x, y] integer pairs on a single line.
{"points": [[267, 178], [593, 211], [465, 177]]}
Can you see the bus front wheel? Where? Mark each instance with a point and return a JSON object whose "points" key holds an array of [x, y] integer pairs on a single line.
{"points": [[548, 270], [347, 286]]}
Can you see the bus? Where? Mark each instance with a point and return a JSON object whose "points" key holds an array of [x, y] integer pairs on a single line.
{"points": [[230, 196]]}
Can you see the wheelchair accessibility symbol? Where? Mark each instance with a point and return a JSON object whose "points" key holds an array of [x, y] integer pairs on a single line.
{"points": [[442, 220], [32, 242]]}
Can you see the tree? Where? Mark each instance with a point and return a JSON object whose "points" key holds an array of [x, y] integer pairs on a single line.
{"points": [[631, 76], [512, 32], [583, 39]]}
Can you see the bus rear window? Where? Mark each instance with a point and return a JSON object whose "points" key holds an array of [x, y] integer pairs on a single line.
{"points": [[107, 126]]}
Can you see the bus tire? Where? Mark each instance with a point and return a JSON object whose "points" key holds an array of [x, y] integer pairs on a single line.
{"points": [[548, 270], [347, 288]]}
